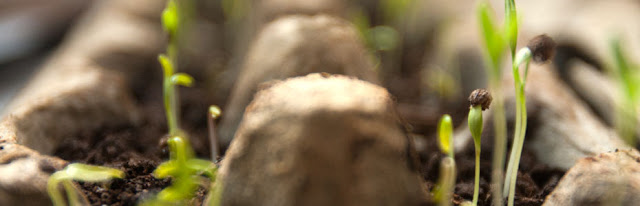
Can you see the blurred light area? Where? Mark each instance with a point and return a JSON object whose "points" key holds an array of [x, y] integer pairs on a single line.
{"points": [[29, 30], [18, 37]]}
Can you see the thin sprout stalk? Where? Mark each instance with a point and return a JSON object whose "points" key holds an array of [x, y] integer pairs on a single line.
{"points": [[446, 182], [475, 125], [214, 113]]}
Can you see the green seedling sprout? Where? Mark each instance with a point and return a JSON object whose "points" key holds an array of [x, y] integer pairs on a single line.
{"points": [[445, 135], [480, 100], [77, 172], [214, 113], [185, 170], [626, 113], [494, 42], [446, 182], [540, 49], [444, 189]]}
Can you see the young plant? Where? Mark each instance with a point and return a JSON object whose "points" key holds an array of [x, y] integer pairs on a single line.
{"points": [[626, 119], [494, 40], [77, 172], [480, 100], [185, 170], [540, 49], [444, 189]]}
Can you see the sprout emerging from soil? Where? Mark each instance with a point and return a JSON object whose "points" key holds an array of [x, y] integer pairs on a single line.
{"points": [[186, 172], [540, 49], [446, 182], [480, 100], [78, 172], [183, 167]]}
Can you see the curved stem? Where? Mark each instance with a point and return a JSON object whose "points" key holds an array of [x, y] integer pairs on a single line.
{"points": [[512, 156], [52, 188], [523, 117]]}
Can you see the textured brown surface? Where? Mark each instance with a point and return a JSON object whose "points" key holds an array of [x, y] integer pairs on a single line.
{"points": [[294, 46], [321, 140], [606, 179]]}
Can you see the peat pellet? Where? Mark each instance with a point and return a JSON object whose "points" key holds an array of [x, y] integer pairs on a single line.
{"points": [[321, 140], [295, 46], [607, 179], [25, 174]]}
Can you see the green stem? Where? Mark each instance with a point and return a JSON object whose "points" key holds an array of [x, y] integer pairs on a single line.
{"points": [[476, 184], [516, 141], [170, 100], [52, 188], [523, 117], [500, 140]]}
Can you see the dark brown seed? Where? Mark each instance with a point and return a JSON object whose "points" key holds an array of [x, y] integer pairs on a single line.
{"points": [[542, 48], [480, 97]]}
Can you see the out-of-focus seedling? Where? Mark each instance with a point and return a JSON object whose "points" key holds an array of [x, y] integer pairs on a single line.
{"points": [[214, 113], [187, 171], [77, 172], [626, 119], [480, 100], [495, 41], [446, 182], [445, 135]]}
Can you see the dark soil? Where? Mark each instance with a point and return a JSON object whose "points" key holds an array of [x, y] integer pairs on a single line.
{"points": [[136, 149]]}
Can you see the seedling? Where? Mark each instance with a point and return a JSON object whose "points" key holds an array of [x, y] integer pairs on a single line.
{"points": [[186, 172], [444, 189], [626, 120], [214, 113], [445, 135], [77, 172], [480, 100], [446, 182], [540, 49], [182, 166], [495, 43]]}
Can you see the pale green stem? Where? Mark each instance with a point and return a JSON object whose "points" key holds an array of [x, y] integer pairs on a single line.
{"points": [[72, 197], [523, 115], [500, 140], [52, 188], [170, 101], [476, 184], [516, 141]]}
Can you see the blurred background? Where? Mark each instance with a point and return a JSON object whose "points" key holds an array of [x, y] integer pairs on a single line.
{"points": [[29, 31], [428, 51]]}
